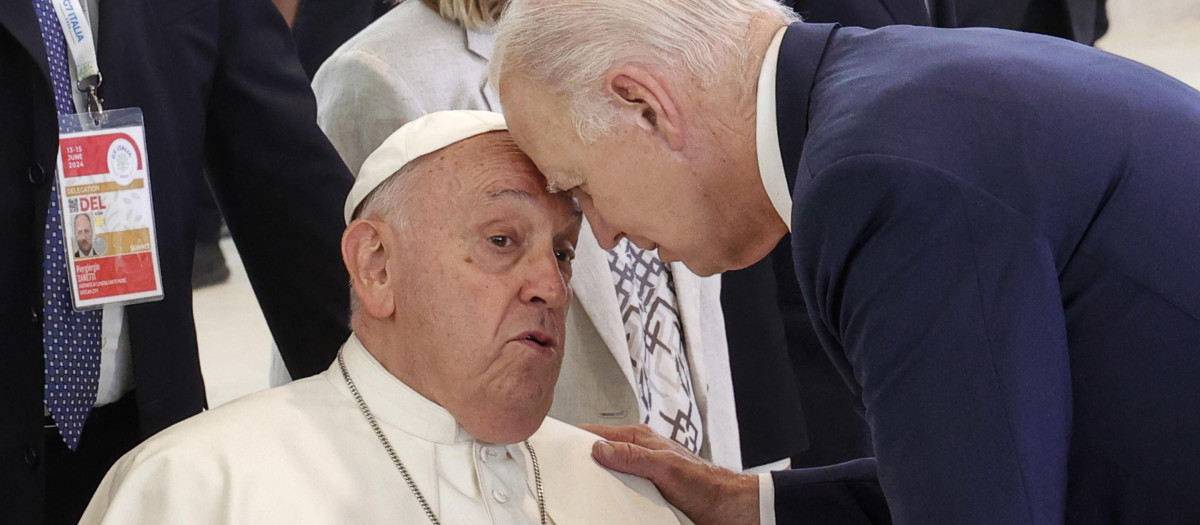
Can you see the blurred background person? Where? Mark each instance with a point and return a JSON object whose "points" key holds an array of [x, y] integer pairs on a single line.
{"points": [[208, 263], [1083, 21], [321, 26], [221, 89]]}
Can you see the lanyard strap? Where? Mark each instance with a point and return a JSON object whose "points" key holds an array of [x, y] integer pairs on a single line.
{"points": [[78, 32]]}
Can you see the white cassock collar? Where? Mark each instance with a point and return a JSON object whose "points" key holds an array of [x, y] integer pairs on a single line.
{"points": [[395, 403]]}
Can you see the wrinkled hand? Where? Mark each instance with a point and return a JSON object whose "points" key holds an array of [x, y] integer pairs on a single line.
{"points": [[708, 495]]}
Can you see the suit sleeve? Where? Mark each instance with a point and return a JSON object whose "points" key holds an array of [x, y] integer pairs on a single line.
{"points": [[842, 494], [280, 184], [361, 100], [941, 305]]}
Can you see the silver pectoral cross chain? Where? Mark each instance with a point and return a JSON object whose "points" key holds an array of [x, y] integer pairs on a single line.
{"points": [[412, 485]]}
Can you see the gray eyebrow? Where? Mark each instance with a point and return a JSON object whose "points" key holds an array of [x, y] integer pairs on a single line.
{"points": [[510, 193], [513, 193]]}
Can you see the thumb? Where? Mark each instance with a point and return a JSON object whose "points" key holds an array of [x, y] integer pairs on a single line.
{"points": [[621, 457]]}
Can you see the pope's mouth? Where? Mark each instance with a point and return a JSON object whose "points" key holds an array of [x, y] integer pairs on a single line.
{"points": [[537, 340]]}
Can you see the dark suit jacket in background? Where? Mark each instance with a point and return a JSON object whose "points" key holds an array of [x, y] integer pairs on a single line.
{"points": [[770, 410], [219, 84], [1083, 21], [322, 26], [997, 238], [862, 13]]}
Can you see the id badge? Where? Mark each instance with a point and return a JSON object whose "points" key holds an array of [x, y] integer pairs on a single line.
{"points": [[107, 211]]}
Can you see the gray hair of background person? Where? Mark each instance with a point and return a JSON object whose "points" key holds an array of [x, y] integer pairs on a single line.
{"points": [[471, 14], [567, 46]]}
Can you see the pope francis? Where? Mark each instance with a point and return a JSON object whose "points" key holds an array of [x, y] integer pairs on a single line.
{"points": [[434, 411]]}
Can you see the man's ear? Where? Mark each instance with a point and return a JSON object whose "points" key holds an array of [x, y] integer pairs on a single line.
{"points": [[366, 257], [648, 99]]}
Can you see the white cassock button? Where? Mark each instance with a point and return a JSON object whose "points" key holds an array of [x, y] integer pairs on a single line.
{"points": [[486, 454], [500, 497]]}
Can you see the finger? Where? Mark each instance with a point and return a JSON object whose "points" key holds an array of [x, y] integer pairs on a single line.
{"points": [[623, 434], [659, 466], [625, 457], [686, 482], [640, 435]]}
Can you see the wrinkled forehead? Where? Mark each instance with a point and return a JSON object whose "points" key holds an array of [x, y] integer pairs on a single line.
{"points": [[491, 169]]}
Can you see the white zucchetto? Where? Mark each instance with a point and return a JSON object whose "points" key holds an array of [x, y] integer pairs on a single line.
{"points": [[413, 140]]}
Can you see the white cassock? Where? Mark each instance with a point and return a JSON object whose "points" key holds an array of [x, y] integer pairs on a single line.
{"points": [[304, 453]]}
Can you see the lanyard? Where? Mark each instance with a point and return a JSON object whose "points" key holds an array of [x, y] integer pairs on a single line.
{"points": [[78, 32]]}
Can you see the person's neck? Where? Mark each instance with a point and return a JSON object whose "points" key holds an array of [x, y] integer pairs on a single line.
{"points": [[735, 133], [741, 83], [378, 339]]}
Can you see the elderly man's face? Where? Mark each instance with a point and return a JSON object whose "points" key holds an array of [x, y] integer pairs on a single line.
{"points": [[83, 233], [482, 293], [628, 184]]}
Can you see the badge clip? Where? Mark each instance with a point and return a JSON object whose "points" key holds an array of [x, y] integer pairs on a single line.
{"points": [[95, 104]]}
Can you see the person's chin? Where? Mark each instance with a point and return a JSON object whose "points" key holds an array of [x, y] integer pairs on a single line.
{"points": [[695, 266], [702, 268]]}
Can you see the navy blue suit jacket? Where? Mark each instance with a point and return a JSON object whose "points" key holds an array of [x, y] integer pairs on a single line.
{"points": [[220, 86], [998, 239], [790, 400]]}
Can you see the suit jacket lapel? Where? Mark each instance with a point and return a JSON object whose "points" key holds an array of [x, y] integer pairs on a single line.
{"points": [[480, 43], [592, 282], [19, 18], [687, 297]]}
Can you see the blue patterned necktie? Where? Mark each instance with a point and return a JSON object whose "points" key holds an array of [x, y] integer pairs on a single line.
{"points": [[71, 339]]}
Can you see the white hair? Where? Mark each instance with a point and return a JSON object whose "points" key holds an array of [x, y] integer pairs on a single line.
{"points": [[390, 200], [567, 46]]}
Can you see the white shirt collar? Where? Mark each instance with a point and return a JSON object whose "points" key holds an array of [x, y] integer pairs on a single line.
{"points": [[770, 160], [395, 403]]}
